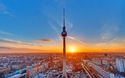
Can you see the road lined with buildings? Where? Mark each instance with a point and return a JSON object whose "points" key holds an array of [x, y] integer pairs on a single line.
{"points": [[88, 73]]}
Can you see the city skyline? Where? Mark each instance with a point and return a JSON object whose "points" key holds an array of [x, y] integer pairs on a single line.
{"points": [[36, 26]]}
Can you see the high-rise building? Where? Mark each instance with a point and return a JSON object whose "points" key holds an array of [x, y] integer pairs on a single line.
{"points": [[120, 65]]}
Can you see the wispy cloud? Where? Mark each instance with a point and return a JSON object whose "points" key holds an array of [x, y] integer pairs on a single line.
{"points": [[101, 44], [15, 42], [7, 33], [69, 25], [108, 35], [55, 29], [75, 39], [71, 37], [46, 40], [109, 31], [4, 10], [5, 47], [116, 43]]}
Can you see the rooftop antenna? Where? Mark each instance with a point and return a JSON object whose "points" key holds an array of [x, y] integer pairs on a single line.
{"points": [[64, 34]]}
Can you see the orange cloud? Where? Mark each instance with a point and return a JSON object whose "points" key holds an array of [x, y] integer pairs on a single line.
{"points": [[46, 40]]}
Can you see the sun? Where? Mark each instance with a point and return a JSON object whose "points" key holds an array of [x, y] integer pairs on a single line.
{"points": [[72, 49]]}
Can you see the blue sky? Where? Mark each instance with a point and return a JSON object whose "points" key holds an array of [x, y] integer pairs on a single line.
{"points": [[91, 24]]}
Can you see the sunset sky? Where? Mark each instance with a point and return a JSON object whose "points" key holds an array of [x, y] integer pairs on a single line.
{"points": [[36, 25]]}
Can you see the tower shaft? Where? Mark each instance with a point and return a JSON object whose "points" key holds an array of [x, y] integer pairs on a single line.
{"points": [[64, 59]]}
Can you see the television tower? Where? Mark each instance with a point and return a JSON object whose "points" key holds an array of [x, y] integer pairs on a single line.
{"points": [[64, 34]]}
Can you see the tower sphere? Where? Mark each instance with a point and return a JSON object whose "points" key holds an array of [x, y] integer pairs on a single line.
{"points": [[64, 34]]}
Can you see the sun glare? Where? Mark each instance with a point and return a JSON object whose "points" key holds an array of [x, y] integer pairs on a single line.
{"points": [[72, 49]]}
